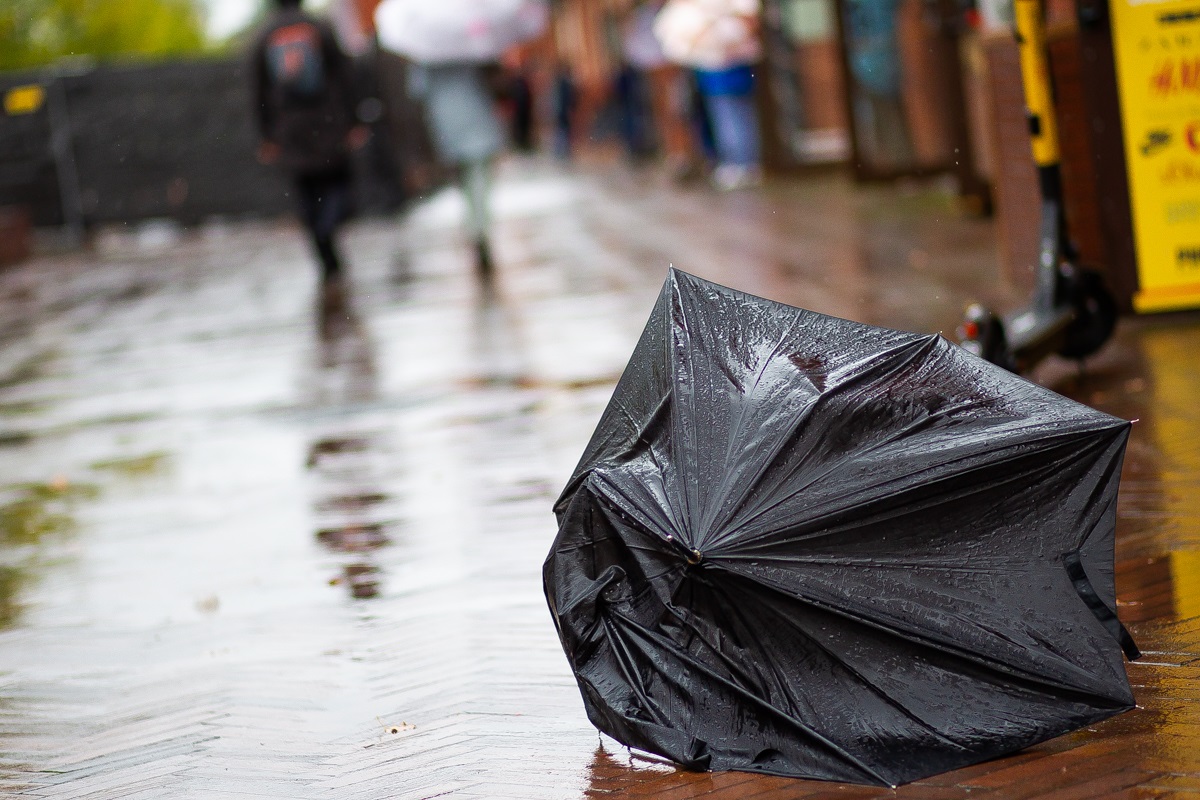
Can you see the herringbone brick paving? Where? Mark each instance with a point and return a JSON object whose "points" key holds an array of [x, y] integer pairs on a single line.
{"points": [[307, 560]]}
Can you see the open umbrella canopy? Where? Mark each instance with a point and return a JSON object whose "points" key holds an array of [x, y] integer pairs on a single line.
{"points": [[805, 546], [448, 31]]}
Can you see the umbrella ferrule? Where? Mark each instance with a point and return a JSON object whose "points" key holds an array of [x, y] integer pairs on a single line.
{"points": [[695, 557]]}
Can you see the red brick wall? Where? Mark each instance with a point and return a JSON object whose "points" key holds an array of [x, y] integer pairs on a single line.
{"points": [[1014, 180], [15, 235]]}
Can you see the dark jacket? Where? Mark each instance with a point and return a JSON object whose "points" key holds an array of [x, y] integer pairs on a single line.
{"points": [[310, 126]]}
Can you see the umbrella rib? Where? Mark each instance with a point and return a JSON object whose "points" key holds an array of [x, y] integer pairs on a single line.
{"points": [[624, 661], [667, 645], [749, 543], [680, 320], [678, 520], [874, 563], [605, 503], [944, 647], [631, 447], [664, 407], [606, 488], [870, 686], [912, 427], [892, 354], [735, 431], [735, 608]]}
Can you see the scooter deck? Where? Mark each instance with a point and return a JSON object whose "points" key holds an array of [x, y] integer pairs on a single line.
{"points": [[1034, 333]]}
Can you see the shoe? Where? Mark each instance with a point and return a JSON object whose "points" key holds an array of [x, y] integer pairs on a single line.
{"points": [[684, 171], [333, 293], [483, 261], [731, 177]]}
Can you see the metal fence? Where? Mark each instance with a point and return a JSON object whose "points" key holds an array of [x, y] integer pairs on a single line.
{"points": [[176, 140]]}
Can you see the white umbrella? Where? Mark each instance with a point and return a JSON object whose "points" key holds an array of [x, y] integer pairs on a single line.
{"points": [[710, 34], [443, 31]]}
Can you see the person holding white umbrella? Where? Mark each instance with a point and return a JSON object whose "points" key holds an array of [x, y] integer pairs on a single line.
{"points": [[452, 41]]}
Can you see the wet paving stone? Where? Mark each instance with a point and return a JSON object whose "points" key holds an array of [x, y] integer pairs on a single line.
{"points": [[254, 546]]}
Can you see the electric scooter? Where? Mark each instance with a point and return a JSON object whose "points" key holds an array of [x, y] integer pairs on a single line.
{"points": [[1072, 313]]}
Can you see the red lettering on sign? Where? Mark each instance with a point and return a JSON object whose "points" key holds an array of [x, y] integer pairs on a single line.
{"points": [[1174, 77]]}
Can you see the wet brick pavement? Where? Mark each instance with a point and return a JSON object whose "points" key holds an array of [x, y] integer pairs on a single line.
{"points": [[252, 550]]}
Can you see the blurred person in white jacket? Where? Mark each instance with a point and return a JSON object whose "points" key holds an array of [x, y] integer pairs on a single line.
{"points": [[719, 39]]}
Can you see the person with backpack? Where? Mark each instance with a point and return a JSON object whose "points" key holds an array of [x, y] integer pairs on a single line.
{"points": [[304, 103]]}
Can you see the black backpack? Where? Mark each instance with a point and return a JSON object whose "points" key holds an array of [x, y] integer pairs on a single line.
{"points": [[295, 62]]}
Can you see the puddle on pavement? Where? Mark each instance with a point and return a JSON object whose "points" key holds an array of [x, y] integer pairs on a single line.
{"points": [[357, 510], [27, 371], [348, 503], [22, 409], [354, 537], [347, 496], [361, 579], [134, 467], [31, 515], [34, 511]]}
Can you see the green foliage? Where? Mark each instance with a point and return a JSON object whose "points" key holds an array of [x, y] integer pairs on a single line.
{"points": [[136, 466], [35, 511], [37, 32], [30, 515]]}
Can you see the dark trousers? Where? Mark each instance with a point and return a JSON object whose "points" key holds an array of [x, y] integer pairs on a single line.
{"points": [[324, 199]]}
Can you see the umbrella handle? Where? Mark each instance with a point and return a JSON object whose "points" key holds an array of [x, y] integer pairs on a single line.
{"points": [[1107, 617]]}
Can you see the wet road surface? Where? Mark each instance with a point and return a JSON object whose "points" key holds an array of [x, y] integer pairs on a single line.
{"points": [[253, 548]]}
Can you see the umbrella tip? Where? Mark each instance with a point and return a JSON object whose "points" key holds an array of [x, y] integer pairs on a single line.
{"points": [[695, 557]]}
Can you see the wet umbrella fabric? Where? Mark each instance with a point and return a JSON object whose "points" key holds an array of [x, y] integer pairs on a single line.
{"points": [[804, 546], [453, 31]]}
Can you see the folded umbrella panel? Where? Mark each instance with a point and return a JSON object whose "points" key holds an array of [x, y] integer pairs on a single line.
{"points": [[650, 678], [789, 396], [806, 546], [720, 674]]}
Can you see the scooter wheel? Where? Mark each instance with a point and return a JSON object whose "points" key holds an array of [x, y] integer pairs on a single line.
{"points": [[1095, 314]]}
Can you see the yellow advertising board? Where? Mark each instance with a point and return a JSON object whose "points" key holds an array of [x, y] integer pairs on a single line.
{"points": [[24, 100], [1157, 49]]}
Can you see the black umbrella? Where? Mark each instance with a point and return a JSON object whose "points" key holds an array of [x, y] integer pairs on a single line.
{"points": [[805, 546]]}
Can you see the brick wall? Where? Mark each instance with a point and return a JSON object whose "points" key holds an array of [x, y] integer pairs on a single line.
{"points": [[1014, 178], [15, 235]]}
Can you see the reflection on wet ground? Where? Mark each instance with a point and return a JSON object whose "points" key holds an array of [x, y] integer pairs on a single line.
{"points": [[256, 544], [32, 517], [340, 462]]}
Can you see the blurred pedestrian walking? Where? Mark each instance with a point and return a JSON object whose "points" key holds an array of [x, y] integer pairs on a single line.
{"points": [[565, 101], [516, 94], [720, 40], [304, 103], [453, 42], [467, 135], [589, 57], [669, 90]]}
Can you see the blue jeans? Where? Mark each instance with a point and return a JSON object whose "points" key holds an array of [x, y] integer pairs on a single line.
{"points": [[735, 127]]}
